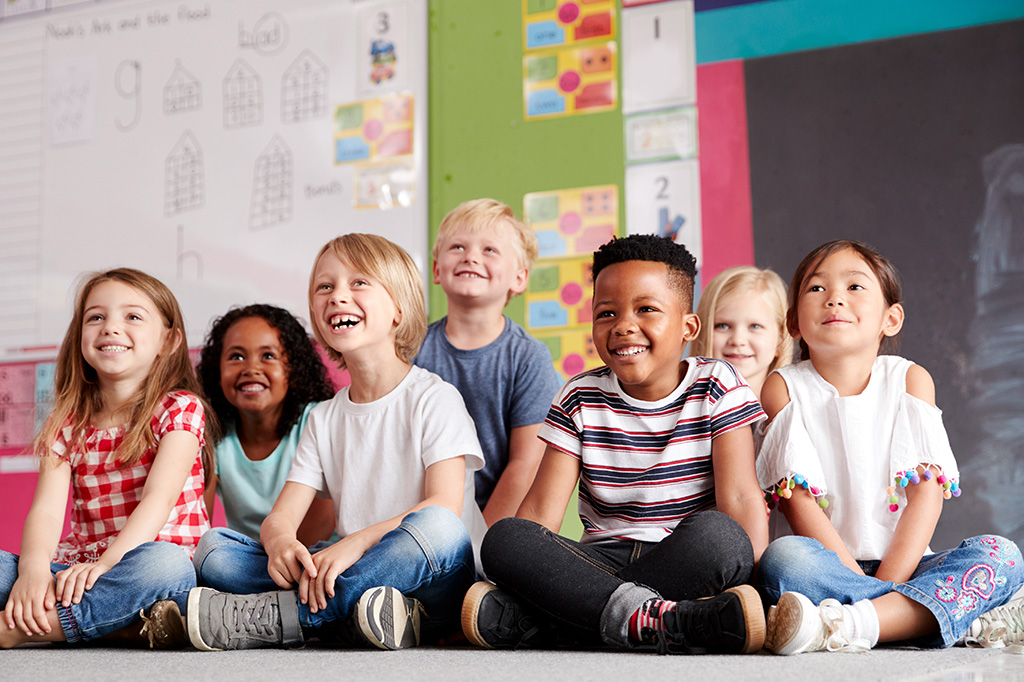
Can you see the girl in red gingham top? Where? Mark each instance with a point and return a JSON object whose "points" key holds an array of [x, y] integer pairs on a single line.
{"points": [[126, 435]]}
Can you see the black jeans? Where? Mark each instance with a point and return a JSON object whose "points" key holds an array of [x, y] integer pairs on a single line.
{"points": [[596, 588]]}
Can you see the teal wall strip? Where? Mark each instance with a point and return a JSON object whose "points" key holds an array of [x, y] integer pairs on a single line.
{"points": [[778, 26]]}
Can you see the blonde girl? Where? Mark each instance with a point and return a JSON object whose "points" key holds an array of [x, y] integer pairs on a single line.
{"points": [[743, 321], [126, 435], [394, 451], [858, 459]]}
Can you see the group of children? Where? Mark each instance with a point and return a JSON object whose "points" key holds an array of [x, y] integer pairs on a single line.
{"points": [[370, 516]]}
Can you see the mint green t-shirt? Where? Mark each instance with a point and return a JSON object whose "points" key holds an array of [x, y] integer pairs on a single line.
{"points": [[249, 489]]}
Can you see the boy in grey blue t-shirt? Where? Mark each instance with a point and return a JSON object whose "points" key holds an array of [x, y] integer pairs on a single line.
{"points": [[482, 258]]}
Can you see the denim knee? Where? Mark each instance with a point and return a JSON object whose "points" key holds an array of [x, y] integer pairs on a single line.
{"points": [[8, 574], [441, 535], [164, 564], [1002, 556], [215, 564], [784, 561]]}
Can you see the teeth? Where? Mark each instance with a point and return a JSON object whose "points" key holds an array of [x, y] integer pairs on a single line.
{"points": [[113, 349], [632, 350], [339, 321], [252, 388]]}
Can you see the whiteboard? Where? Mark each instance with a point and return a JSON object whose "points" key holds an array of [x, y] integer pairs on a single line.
{"points": [[197, 141]]}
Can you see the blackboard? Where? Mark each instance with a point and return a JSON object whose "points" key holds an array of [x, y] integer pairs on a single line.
{"points": [[914, 145]]}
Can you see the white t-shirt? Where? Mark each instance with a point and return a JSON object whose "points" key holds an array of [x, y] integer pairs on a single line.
{"points": [[850, 448], [370, 459]]}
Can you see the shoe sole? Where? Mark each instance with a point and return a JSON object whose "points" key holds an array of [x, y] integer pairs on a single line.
{"points": [[194, 634], [753, 617], [788, 625], [471, 610], [383, 614], [169, 629]]}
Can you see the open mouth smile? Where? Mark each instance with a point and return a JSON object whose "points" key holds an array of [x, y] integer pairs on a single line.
{"points": [[629, 351], [338, 322]]}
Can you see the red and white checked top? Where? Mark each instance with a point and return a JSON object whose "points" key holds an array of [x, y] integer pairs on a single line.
{"points": [[105, 492]]}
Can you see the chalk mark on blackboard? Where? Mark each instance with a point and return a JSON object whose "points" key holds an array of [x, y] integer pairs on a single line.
{"points": [[183, 92], [304, 89], [184, 182], [997, 337], [243, 96], [272, 186], [133, 68]]}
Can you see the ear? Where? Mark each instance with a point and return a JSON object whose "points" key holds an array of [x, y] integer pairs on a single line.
{"points": [[893, 322], [691, 327], [398, 318], [437, 273], [172, 341], [520, 281]]}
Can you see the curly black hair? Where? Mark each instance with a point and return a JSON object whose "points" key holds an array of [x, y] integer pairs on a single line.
{"points": [[307, 375], [682, 266]]}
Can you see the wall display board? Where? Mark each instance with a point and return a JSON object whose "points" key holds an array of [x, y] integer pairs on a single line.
{"points": [[196, 141]]}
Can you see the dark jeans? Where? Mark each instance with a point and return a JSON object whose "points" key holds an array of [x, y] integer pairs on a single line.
{"points": [[596, 588]]}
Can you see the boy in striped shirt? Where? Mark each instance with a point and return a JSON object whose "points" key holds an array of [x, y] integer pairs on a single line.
{"points": [[662, 449]]}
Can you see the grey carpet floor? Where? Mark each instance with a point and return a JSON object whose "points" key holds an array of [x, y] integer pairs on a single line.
{"points": [[456, 664]]}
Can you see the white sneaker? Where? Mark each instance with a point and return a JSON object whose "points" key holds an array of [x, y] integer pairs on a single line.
{"points": [[1000, 627], [797, 626], [388, 619]]}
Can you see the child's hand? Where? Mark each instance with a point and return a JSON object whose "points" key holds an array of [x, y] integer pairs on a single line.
{"points": [[31, 597], [289, 561], [73, 582], [331, 562]]}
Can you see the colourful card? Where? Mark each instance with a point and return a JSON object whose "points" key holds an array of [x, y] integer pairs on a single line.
{"points": [[552, 23], [373, 129], [559, 294], [573, 222], [577, 80], [572, 350]]}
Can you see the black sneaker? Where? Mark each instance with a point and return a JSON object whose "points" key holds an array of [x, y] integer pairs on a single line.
{"points": [[729, 623], [494, 619], [218, 621]]}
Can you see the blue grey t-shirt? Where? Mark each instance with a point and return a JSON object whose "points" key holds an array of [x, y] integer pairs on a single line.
{"points": [[508, 383]]}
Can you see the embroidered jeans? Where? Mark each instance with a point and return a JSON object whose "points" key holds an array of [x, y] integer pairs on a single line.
{"points": [[956, 585]]}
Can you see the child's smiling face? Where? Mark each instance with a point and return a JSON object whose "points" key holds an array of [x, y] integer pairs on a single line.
{"points": [[746, 334], [353, 312], [253, 367], [641, 327], [480, 266]]}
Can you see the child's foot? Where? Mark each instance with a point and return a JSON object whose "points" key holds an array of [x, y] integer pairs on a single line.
{"points": [[1002, 626], [388, 619], [729, 623], [492, 619], [796, 626], [163, 626], [218, 621]]}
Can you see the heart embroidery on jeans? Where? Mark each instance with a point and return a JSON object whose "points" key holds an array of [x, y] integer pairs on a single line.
{"points": [[980, 579]]}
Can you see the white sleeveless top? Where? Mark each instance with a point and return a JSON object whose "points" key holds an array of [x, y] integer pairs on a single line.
{"points": [[849, 450]]}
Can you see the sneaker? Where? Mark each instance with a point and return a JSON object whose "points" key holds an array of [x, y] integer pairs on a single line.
{"points": [[218, 621], [1003, 626], [388, 619], [492, 619], [729, 623], [797, 626], [163, 626]]}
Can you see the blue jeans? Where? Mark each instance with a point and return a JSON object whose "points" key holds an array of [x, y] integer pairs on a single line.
{"points": [[427, 557], [591, 590], [956, 585], [151, 572]]}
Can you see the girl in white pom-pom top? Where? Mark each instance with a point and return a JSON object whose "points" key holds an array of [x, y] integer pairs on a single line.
{"points": [[856, 457]]}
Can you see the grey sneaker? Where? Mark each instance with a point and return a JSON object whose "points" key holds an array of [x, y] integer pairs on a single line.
{"points": [[218, 621], [388, 619], [163, 626], [1003, 626]]}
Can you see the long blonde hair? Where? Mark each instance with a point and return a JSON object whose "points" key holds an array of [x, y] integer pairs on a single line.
{"points": [[77, 395], [738, 280]]}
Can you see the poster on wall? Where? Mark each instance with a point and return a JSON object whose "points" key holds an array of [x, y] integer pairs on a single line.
{"points": [[559, 23], [570, 225], [579, 80], [664, 199], [659, 62]]}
